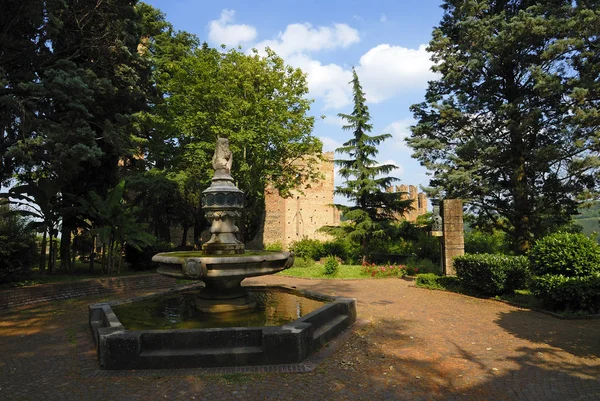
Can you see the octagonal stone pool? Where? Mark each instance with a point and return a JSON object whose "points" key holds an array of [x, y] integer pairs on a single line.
{"points": [[165, 331]]}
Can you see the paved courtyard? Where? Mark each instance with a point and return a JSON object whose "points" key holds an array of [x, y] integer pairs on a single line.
{"points": [[413, 344]]}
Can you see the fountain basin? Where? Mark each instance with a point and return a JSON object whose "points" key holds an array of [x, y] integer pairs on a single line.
{"points": [[293, 342], [222, 274]]}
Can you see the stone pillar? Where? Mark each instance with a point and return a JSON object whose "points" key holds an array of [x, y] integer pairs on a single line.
{"points": [[453, 241]]}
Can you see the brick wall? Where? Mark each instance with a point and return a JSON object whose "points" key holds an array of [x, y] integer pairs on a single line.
{"points": [[11, 298], [301, 215]]}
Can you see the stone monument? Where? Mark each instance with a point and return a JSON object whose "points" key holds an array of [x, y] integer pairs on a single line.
{"points": [[453, 239]]}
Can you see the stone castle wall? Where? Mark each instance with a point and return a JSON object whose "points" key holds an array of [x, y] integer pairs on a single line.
{"points": [[301, 215], [419, 201]]}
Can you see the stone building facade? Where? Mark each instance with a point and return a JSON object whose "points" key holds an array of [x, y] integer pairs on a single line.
{"points": [[419, 201], [302, 214]]}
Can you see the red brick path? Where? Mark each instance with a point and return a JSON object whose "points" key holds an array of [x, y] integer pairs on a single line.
{"points": [[418, 345]]}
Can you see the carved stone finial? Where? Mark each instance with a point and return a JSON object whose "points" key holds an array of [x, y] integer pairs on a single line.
{"points": [[222, 159]]}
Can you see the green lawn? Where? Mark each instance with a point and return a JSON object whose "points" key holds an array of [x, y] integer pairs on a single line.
{"points": [[317, 271]]}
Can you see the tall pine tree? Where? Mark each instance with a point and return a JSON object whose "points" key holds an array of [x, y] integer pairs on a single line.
{"points": [[373, 209], [512, 124]]}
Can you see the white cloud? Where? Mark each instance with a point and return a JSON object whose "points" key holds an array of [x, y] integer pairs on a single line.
{"points": [[386, 71], [222, 31], [329, 144], [400, 130], [303, 38], [329, 82], [383, 18]]}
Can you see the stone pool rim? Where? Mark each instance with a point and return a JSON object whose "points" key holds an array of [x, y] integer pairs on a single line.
{"points": [[119, 348]]}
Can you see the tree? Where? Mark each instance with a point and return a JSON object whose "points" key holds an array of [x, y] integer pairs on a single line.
{"points": [[73, 81], [511, 125], [17, 244], [115, 226], [374, 209], [259, 103], [39, 201]]}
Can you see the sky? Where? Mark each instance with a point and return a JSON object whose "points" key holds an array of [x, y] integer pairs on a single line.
{"points": [[385, 40]]}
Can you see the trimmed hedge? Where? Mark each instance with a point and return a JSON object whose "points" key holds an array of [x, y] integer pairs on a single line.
{"points": [[559, 292], [567, 254], [492, 274], [433, 281]]}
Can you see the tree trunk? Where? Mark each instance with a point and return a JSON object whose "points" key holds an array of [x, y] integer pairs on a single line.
{"points": [[65, 250], [184, 235], [121, 246], [50, 254], [103, 259], [42, 264], [92, 255]]}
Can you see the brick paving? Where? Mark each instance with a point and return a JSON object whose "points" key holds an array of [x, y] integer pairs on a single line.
{"points": [[416, 344]]}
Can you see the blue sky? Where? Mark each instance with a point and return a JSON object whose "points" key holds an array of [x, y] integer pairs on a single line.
{"points": [[384, 40]]}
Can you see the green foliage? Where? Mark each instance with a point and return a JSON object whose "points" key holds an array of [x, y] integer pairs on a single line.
{"points": [[275, 246], [343, 248], [564, 293], [386, 270], [331, 266], [303, 263], [17, 246], [492, 274], [366, 182], [140, 258], [258, 103], [571, 255], [495, 128], [415, 265], [307, 248], [477, 241], [436, 282]]}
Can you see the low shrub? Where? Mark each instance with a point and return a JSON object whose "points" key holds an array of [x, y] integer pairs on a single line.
{"points": [[343, 248], [275, 246], [331, 266], [567, 254], [492, 274], [308, 248], [435, 282], [561, 293], [416, 265], [303, 262]]}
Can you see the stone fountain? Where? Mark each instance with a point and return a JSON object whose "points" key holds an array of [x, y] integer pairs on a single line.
{"points": [[219, 297], [223, 262]]}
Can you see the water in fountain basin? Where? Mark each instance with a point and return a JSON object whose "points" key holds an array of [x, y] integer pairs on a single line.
{"points": [[274, 308]]}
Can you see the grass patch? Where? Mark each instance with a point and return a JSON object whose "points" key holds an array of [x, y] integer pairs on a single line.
{"points": [[237, 378], [71, 336], [318, 271]]}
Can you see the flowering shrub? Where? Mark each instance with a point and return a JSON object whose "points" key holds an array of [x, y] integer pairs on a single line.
{"points": [[374, 270]]}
